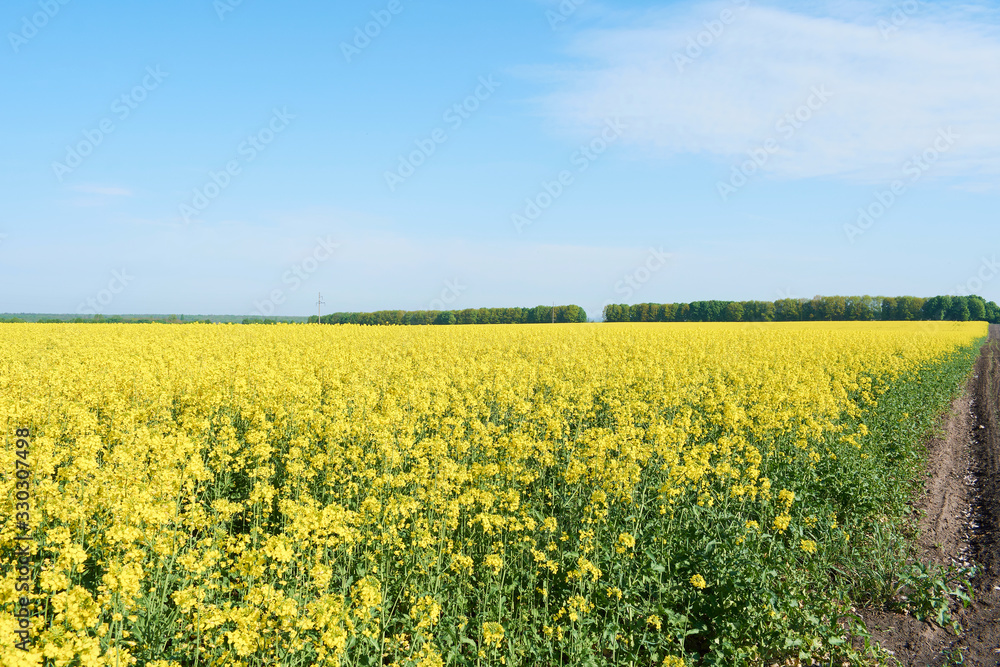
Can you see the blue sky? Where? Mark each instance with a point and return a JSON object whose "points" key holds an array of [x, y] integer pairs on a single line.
{"points": [[215, 157]]}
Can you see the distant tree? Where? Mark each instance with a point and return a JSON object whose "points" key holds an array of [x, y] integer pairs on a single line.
{"points": [[757, 311], [768, 312], [936, 308], [615, 312], [570, 314], [734, 312], [514, 315], [866, 308], [539, 315], [836, 308], [697, 311], [909, 308], [887, 309], [959, 310], [977, 308], [787, 310], [717, 310], [992, 312]]}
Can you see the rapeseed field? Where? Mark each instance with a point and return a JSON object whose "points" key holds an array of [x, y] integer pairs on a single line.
{"points": [[603, 494]]}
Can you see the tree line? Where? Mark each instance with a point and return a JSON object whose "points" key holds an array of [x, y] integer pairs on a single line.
{"points": [[102, 319], [536, 315], [820, 308]]}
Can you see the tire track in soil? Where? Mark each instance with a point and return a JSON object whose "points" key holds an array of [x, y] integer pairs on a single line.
{"points": [[961, 524]]}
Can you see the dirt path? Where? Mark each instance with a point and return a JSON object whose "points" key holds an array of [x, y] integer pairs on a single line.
{"points": [[961, 525]]}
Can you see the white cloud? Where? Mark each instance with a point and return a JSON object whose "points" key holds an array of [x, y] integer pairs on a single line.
{"points": [[895, 81], [109, 191], [96, 196]]}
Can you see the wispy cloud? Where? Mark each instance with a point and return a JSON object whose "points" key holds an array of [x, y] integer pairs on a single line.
{"points": [[891, 90], [108, 191]]}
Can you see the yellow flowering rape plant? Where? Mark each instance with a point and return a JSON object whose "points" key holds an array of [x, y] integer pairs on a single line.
{"points": [[534, 494]]}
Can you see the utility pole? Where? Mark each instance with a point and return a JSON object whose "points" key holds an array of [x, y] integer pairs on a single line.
{"points": [[319, 304], [553, 312]]}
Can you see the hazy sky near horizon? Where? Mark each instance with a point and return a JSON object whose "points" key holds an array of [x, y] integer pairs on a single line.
{"points": [[237, 157]]}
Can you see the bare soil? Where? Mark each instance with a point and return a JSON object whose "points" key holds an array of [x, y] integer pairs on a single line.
{"points": [[960, 525]]}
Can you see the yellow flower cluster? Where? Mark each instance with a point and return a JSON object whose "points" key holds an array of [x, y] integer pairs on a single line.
{"points": [[625, 543], [493, 634], [281, 494]]}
